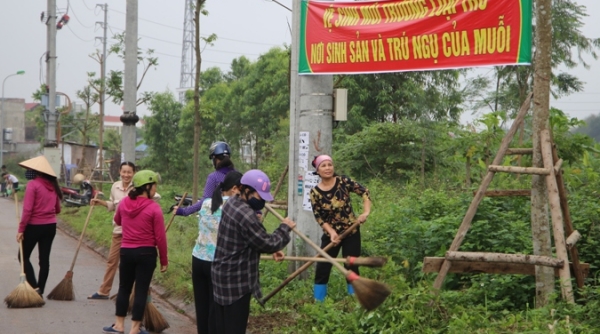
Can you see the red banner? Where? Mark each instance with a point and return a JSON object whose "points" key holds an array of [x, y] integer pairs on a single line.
{"points": [[412, 35]]}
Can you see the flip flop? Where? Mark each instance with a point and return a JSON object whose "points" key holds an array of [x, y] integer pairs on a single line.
{"points": [[96, 295]]}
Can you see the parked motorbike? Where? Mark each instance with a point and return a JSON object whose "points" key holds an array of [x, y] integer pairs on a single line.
{"points": [[82, 196], [186, 202]]}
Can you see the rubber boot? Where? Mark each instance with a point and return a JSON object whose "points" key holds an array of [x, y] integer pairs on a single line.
{"points": [[320, 292], [350, 290]]}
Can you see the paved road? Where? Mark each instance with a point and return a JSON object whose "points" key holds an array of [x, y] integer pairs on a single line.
{"points": [[78, 316]]}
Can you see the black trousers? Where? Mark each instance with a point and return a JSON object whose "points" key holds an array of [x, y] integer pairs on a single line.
{"points": [[42, 236], [350, 246], [232, 319], [137, 266], [203, 294]]}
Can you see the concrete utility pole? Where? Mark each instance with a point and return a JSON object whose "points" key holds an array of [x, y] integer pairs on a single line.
{"points": [[129, 117], [540, 226], [52, 115], [102, 88], [311, 118]]}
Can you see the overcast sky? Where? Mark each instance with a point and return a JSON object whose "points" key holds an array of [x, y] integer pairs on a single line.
{"points": [[243, 27]]}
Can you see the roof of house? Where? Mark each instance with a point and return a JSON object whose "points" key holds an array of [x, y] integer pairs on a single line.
{"points": [[31, 106]]}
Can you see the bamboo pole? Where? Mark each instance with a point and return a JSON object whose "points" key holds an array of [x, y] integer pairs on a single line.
{"points": [[512, 192], [557, 166], [557, 218], [519, 151], [519, 170], [564, 205], [505, 258], [468, 219], [279, 183], [572, 239]]}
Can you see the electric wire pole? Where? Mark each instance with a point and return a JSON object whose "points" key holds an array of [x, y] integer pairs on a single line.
{"points": [[311, 123], [102, 100], [51, 114], [129, 117]]}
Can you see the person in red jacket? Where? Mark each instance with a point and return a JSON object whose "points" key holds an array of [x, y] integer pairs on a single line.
{"points": [[38, 221], [143, 232]]}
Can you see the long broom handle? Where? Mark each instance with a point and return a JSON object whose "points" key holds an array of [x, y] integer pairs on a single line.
{"points": [[20, 242], [304, 258], [306, 265], [175, 212], [311, 243], [87, 220]]}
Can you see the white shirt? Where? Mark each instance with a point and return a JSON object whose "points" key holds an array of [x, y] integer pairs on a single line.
{"points": [[12, 178]]}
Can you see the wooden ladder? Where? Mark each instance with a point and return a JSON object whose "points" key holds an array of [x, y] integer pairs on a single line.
{"points": [[461, 262]]}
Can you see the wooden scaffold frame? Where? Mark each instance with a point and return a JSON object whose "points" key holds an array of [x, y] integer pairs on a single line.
{"points": [[498, 263]]}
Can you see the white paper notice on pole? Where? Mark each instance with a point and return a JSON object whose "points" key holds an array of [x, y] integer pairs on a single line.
{"points": [[303, 148], [310, 181]]}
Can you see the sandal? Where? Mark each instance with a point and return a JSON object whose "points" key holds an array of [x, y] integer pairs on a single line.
{"points": [[110, 329], [96, 295]]}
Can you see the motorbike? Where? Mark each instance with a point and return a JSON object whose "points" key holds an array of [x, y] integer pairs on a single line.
{"points": [[186, 202], [81, 196]]}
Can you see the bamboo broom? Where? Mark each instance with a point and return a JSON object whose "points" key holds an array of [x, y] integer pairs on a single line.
{"points": [[373, 262], [370, 293], [153, 320], [305, 266], [23, 295], [64, 289]]}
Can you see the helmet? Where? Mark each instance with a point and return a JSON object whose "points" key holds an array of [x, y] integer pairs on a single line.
{"points": [[78, 178], [219, 148], [258, 180], [144, 177]]}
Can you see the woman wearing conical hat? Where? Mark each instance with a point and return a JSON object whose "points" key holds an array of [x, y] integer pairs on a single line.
{"points": [[38, 221]]}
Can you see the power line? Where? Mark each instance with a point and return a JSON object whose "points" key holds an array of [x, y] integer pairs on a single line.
{"points": [[77, 18], [179, 44], [203, 60], [86, 6], [71, 30], [180, 29]]}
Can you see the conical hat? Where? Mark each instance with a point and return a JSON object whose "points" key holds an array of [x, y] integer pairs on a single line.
{"points": [[39, 164]]}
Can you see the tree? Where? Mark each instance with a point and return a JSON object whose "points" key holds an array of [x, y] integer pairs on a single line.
{"points": [[542, 245], [161, 133]]}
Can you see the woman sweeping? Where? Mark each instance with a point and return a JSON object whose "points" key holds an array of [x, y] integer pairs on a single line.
{"points": [[332, 209], [38, 221], [240, 240], [206, 243], [118, 191], [143, 232]]}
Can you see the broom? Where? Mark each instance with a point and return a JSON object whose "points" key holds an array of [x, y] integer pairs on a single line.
{"points": [[153, 320], [373, 262], [23, 295], [370, 293], [305, 266], [64, 289]]}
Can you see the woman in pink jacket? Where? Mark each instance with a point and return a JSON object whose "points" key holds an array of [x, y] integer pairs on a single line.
{"points": [[143, 232], [38, 221]]}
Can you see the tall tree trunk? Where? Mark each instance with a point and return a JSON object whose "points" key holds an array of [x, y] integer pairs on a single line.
{"points": [[197, 122], [544, 276]]}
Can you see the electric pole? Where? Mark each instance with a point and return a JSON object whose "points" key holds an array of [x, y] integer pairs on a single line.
{"points": [[102, 101], [129, 117], [311, 121], [52, 115]]}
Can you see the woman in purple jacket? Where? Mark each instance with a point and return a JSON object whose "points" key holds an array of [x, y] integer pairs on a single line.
{"points": [[38, 221], [219, 154]]}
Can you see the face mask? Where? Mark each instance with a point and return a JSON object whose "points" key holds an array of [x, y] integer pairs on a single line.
{"points": [[256, 204], [30, 174]]}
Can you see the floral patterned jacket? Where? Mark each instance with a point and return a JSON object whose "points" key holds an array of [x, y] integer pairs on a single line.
{"points": [[333, 206]]}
